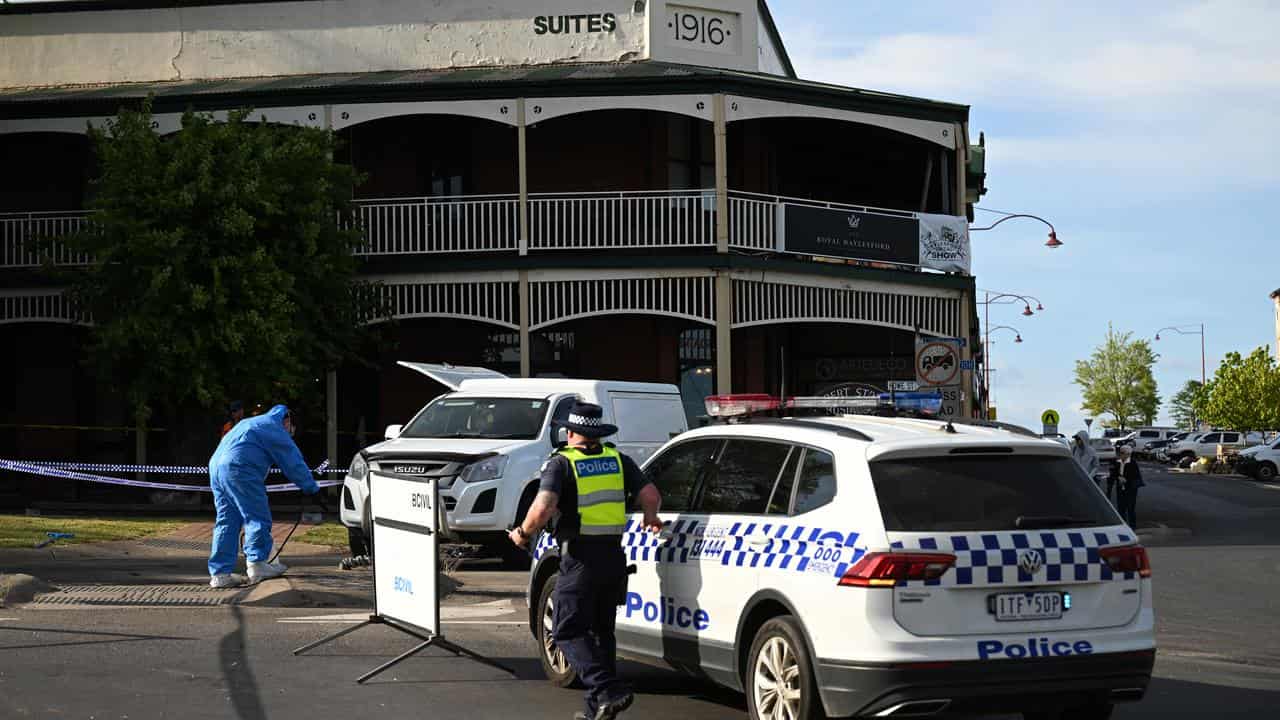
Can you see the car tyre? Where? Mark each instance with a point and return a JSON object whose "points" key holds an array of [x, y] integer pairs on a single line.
{"points": [[780, 681], [554, 663], [514, 558], [366, 528], [1266, 472]]}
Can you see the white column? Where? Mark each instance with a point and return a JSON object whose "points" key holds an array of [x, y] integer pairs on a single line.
{"points": [[722, 174], [724, 332], [523, 165]]}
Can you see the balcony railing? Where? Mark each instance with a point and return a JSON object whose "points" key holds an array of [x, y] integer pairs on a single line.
{"points": [[491, 224], [21, 232], [426, 225]]}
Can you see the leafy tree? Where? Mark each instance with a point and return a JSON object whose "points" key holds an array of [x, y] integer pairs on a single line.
{"points": [[1117, 380], [1183, 405], [1245, 392], [220, 266]]}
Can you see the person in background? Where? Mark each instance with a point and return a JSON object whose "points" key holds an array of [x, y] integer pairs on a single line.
{"points": [[237, 474], [1125, 478], [235, 413], [1085, 455]]}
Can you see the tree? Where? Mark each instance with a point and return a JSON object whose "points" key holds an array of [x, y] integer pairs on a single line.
{"points": [[1117, 379], [1183, 405], [1245, 392], [220, 266]]}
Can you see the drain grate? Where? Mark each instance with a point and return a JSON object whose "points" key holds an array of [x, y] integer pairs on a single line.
{"points": [[171, 544], [188, 595]]}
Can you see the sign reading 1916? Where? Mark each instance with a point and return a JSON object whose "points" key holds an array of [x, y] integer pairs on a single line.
{"points": [[703, 29]]}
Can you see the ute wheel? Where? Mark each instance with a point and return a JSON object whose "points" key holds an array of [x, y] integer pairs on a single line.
{"points": [[554, 664], [514, 558], [1266, 472], [366, 523], [780, 682]]}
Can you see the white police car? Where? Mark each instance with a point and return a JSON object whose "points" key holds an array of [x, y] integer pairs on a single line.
{"points": [[881, 567]]}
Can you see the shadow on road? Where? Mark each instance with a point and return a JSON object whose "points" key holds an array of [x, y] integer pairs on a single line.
{"points": [[234, 662], [1168, 698], [114, 637]]}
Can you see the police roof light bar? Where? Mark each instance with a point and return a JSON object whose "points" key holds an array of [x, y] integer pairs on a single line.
{"points": [[747, 404]]}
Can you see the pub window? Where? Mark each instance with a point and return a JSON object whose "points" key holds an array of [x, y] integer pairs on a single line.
{"points": [[691, 154]]}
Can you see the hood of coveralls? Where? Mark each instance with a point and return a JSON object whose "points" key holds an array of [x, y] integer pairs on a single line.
{"points": [[278, 412]]}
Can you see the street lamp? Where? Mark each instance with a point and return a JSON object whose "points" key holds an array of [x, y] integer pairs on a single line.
{"points": [[1001, 299], [1053, 241], [1188, 330], [986, 356]]}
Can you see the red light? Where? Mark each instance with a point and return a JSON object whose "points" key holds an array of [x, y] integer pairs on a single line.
{"points": [[887, 569], [742, 404], [1127, 559]]}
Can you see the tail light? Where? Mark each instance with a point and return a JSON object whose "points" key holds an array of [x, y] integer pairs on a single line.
{"points": [[1127, 559], [887, 569]]}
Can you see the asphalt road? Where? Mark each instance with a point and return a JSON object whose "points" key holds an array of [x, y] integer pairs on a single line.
{"points": [[1215, 600]]}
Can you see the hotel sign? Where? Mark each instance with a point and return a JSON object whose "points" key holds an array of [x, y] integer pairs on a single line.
{"points": [[852, 234]]}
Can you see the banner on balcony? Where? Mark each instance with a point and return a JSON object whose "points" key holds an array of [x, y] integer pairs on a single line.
{"points": [[851, 234], [944, 243]]}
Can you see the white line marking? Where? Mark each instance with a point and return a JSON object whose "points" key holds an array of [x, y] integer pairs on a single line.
{"points": [[5, 619], [452, 613]]}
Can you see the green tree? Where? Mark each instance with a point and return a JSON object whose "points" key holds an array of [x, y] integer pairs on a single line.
{"points": [[220, 266], [1245, 392], [1183, 405], [1117, 380]]}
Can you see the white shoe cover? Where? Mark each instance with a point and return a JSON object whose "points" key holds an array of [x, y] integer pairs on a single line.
{"points": [[227, 580], [259, 571]]}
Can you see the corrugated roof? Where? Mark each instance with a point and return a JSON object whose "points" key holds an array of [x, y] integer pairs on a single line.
{"points": [[648, 77]]}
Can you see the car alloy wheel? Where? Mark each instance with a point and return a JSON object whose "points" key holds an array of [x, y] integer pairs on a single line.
{"points": [[777, 681], [555, 665], [555, 656]]}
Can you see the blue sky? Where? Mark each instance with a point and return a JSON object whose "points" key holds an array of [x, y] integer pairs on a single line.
{"points": [[1147, 133]]}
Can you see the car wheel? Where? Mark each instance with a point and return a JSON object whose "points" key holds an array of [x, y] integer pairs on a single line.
{"points": [[554, 663], [366, 527], [514, 558], [1266, 472], [1099, 711], [780, 681]]}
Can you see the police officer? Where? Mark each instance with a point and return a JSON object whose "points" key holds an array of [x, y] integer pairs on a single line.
{"points": [[589, 482]]}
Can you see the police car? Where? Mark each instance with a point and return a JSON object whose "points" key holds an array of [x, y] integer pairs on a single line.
{"points": [[868, 566]]}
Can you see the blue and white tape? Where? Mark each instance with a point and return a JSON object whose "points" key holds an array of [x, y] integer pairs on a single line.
{"points": [[48, 470], [152, 469]]}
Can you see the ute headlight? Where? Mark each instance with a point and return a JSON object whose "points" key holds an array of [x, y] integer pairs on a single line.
{"points": [[487, 469], [359, 468]]}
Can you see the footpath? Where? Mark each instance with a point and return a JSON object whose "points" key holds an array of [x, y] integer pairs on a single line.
{"points": [[170, 570]]}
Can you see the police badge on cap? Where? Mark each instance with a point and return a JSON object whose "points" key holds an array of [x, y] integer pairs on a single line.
{"points": [[585, 419]]}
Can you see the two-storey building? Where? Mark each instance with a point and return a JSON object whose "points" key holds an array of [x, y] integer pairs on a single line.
{"points": [[625, 189]]}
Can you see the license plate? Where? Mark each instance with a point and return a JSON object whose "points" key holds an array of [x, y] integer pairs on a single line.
{"points": [[1027, 606]]}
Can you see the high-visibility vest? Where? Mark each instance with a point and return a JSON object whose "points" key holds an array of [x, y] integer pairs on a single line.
{"points": [[602, 501]]}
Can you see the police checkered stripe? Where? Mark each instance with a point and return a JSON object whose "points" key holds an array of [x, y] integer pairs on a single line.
{"points": [[993, 558], [584, 420], [545, 542]]}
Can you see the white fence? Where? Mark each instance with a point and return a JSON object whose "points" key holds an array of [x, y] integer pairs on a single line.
{"points": [[425, 225], [588, 221], [21, 232]]}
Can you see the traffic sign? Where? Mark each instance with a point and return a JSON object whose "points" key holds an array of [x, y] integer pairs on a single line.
{"points": [[1088, 422], [966, 364], [952, 403], [937, 362], [904, 385], [1050, 417]]}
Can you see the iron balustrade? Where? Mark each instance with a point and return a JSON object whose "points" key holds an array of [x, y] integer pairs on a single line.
{"points": [[21, 232], [427, 225], [620, 220]]}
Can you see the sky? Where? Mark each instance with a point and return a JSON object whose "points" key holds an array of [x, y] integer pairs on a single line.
{"points": [[1148, 133]]}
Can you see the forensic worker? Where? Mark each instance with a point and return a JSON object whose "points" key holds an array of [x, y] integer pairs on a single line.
{"points": [[589, 482], [237, 474], [1086, 457]]}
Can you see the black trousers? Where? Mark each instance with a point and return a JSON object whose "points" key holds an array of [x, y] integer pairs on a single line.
{"points": [[592, 578], [1127, 498]]}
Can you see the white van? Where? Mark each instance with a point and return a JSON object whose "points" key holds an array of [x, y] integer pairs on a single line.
{"points": [[488, 439]]}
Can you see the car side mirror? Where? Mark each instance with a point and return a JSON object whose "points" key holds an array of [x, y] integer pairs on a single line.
{"points": [[393, 432], [562, 436]]}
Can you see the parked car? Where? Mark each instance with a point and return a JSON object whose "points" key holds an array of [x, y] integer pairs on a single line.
{"points": [[1144, 437], [1103, 447], [1206, 444], [1261, 462], [487, 439]]}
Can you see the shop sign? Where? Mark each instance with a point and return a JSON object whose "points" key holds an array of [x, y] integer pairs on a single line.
{"points": [[852, 234], [944, 243]]}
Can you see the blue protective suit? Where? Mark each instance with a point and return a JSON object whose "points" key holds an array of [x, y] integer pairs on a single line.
{"points": [[237, 474]]}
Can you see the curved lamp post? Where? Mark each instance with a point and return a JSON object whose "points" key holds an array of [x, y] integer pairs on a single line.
{"points": [[1184, 330], [986, 353], [1053, 241], [1000, 299]]}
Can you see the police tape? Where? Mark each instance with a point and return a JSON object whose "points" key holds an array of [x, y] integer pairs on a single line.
{"points": [[153, 469], [48, 471]]}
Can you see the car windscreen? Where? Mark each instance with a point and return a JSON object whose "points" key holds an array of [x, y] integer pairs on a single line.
{"points": [[493, 418], [987, 492]]}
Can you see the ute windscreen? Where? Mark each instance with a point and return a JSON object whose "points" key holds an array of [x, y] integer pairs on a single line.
{"points": [[987, 492]]}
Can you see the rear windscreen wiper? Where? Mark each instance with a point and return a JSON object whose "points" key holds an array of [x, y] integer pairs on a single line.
{"points": [[1032, 522]]}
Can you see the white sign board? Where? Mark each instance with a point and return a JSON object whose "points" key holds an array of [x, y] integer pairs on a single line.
{"points": [[952, 403], [904, 385], [405, 525]]}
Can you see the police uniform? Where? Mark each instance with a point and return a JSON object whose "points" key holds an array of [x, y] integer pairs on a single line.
{"points": [[593, 485]]}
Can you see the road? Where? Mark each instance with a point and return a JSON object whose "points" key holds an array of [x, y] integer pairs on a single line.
{"points": [[1215, 599]]}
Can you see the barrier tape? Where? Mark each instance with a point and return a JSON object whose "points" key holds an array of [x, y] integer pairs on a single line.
{"points": [[25, 467], [155, 469]]}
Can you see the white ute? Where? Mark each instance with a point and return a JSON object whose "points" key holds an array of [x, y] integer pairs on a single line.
{"points": [[488, 438], [880, 567]]}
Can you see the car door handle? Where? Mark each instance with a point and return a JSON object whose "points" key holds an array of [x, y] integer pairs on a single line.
{"points": [[758, 541]]}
